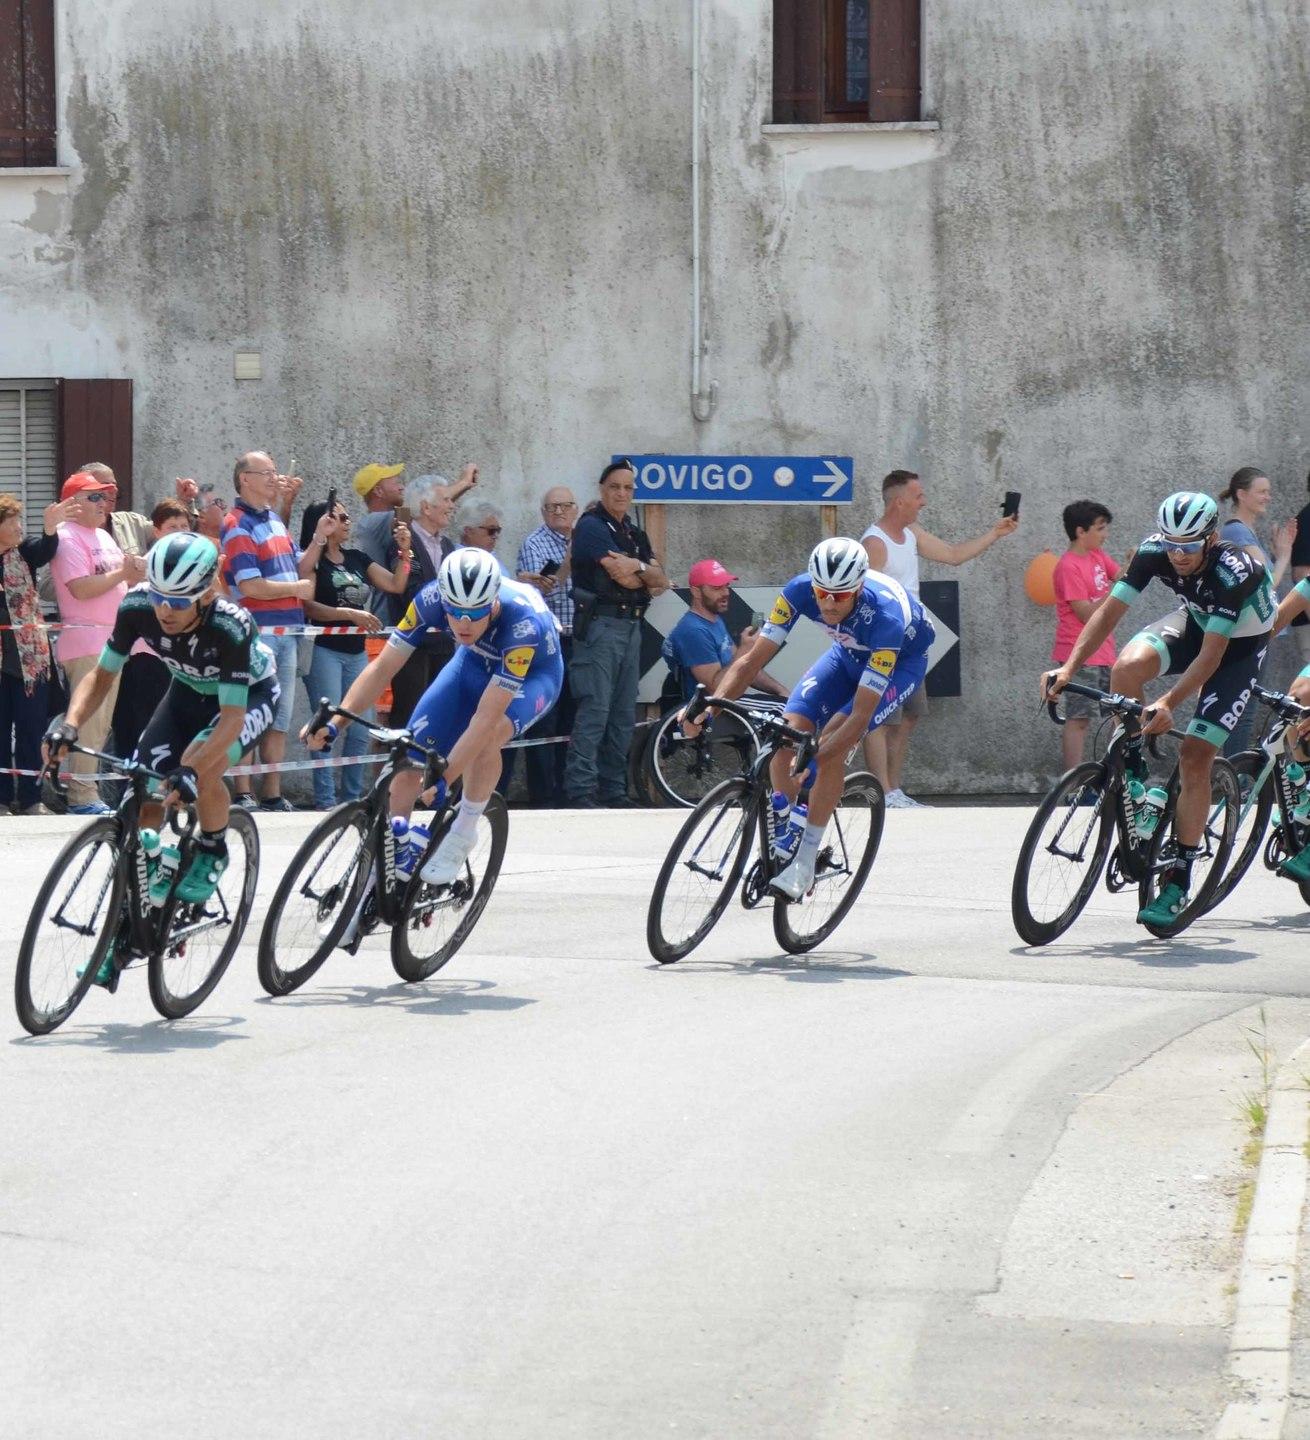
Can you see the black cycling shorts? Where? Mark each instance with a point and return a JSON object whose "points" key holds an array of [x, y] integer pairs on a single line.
{"points": [[1225, 695], [185, 716]]}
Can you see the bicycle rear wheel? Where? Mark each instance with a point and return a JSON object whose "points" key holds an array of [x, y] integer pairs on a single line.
{"points": [[1251, 826], [314, 899], [1062, 854], [202, 939], [1216, 847], [435, 920], [846, 855], [69, 931], [684, 770], [701, 870]]}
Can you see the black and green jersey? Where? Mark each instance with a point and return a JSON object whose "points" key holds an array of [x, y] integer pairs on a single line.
{"points": [[1230, 595], [222, 656]]}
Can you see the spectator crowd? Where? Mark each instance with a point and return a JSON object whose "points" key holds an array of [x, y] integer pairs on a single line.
{"points": [[356, 567]]}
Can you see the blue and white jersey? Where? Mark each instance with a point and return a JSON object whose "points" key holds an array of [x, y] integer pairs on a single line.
{"points": [[521, 640], [885, 624]]}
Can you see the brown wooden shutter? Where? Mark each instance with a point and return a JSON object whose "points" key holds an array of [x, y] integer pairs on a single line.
{"points": [[797, 62], [894, 60], [95, 423], [27, 82]]}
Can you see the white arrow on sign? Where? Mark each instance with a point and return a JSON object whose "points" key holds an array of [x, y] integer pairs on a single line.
{"points": [[834, 479]]}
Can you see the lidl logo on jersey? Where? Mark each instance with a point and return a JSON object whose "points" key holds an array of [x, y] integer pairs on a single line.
{"points": [[781, 613], [883, 661], [518, 660]]}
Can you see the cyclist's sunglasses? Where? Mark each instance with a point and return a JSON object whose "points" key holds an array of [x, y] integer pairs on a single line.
{"points": [[1184, 547], [174, 602], [821, 594], [464, 613]]}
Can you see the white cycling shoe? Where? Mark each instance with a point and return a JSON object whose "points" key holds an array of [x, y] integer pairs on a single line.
{"points": [[796, 879], [449, 859]]}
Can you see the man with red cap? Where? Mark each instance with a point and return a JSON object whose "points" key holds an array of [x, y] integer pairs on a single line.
{"points": [[91, 576], [698, 649]]}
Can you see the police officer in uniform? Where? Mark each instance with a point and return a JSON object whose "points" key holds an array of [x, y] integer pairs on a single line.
{"points": [[615, 577]]}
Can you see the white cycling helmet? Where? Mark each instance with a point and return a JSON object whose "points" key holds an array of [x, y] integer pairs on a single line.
{"points": [[183, 565], [839, 564], [1188, 515], [469, 579]]}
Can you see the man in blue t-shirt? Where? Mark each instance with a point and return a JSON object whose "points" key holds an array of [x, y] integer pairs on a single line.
{"points": [[698, 649]]}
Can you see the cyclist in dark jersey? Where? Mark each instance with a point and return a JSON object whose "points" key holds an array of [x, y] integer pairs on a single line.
{"points": [[222, 693], [1214, 643]]}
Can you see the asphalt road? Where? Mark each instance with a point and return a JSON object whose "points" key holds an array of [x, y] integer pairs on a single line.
{"points": [[924, 1183]]}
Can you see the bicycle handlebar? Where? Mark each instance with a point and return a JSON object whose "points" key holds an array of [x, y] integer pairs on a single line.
{"points": [[805, 742], [397, 740], [1283, 705], [115, 762], [1110, 704]]}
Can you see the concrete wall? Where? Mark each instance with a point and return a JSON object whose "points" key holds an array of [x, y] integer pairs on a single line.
{"points": [[461, 231]]}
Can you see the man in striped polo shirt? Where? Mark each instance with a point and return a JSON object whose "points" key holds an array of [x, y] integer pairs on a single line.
{"points": [[265, 569]]}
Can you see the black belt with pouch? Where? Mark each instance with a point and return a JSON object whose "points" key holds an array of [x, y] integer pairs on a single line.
{"points": [[587, 606]]}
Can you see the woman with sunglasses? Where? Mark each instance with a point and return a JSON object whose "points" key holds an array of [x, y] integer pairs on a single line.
{"points": [[878, 659], [506, 674], [1214, 643], [222, 692]]}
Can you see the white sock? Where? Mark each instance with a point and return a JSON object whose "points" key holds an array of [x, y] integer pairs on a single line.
{"points": [[470, 812], [809, 846]]}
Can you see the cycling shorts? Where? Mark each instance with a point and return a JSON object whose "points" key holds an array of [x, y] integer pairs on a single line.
{"points": [[443, 712], [1225, 695], [184, 716], [827, 689]]}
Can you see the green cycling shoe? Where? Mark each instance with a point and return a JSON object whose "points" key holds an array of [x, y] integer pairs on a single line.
{"points": [[1167, 906], [202, 876], [1298, 867]]}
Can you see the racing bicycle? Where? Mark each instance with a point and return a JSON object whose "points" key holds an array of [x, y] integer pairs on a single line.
{"points": [[105, 900], [343, 882], [683, 768], [1089, 823], [710, 854]]}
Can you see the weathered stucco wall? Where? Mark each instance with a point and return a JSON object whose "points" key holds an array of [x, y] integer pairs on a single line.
{"points": [[462, 231]]}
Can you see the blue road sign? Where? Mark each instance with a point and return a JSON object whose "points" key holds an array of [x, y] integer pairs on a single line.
{"points": [[745, 479]]}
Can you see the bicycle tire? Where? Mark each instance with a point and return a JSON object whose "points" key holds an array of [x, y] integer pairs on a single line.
{"points": [[163, 967], [39, 1018], [1032, 929], [1249, 763], [340, 896], [865, 790], [1222, 778], [736, 847], [409, 963], [683, 771]]}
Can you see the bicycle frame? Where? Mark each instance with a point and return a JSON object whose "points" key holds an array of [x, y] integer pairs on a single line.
{"points": [[1276, 748]]}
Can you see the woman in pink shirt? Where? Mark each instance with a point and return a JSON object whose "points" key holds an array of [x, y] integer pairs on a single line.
{"points": [[1083, 577], [91, 576]]}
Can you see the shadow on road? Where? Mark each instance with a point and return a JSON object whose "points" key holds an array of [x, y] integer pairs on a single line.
{"points": [[199, 1032], [1186, 952], [826, 968], [432, 997]]}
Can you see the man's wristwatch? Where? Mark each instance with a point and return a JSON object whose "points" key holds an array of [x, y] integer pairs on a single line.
{"points": [[641, 567]]}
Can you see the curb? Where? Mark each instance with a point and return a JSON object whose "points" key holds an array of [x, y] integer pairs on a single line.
{"points": [[1259, 1351]]}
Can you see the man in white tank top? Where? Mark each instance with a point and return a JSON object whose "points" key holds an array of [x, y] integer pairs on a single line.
{"points": [[894, 543]]}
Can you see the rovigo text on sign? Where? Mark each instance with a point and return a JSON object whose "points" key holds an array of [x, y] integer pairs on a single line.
{"points": [[745, 479]]}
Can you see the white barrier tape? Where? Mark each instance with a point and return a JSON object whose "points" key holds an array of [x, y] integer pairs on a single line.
{"points": [[380, 633]]}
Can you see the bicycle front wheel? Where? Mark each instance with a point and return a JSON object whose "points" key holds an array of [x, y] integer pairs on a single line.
{"points": [[684, 770], [846, 855], [701, 871], [1216, 846], [1252, 822], [70, 929], [1062, 854], [202, 939], [435, 920], [314, 899]]}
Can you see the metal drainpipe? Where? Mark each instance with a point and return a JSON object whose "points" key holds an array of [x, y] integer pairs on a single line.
{"points": [[702, 401]]}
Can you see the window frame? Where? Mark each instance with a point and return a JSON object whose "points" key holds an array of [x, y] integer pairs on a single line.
{"points": [[28, 110], [809, 63]]}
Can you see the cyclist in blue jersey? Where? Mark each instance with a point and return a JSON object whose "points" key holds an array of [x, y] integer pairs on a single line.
{"points": [[506, 674], [878, 659], [221, 698], [1213, 643]]}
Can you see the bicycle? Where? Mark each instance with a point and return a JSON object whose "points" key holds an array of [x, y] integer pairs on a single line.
{"points": [[1265, 772], [683, 769], [96, 905], [708, 856], [344, 878], [1069, 840]]}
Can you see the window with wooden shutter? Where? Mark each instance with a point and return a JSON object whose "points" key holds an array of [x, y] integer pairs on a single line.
{"points": [[95, 423], [839, 61], [27, 83], [28, 463]]}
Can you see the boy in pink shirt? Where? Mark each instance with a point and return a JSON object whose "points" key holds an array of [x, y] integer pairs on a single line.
{"points": [[1083, 577], [91, 576]]}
